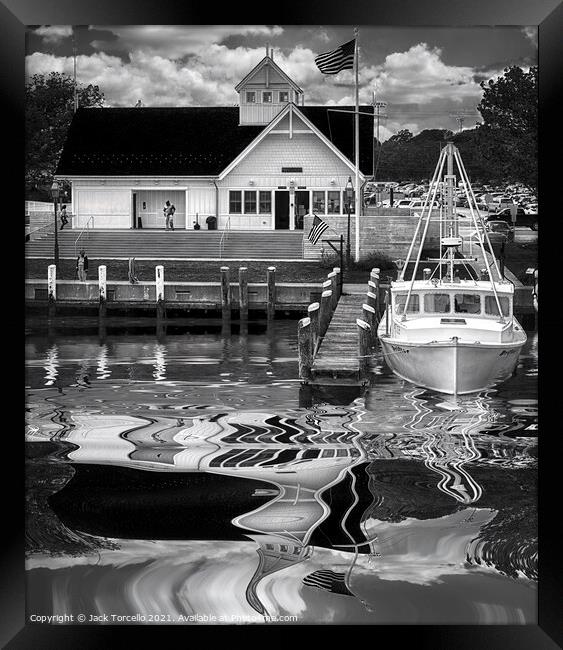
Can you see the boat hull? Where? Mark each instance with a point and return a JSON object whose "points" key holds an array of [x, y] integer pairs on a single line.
{"points": [[451, 367]]}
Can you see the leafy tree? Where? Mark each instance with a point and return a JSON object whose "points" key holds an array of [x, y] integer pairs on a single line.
{"points": [[401, 137], [49, 107], [508, 138]]}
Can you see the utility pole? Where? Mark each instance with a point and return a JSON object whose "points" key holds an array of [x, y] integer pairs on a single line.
{"points": [[461, 117]]}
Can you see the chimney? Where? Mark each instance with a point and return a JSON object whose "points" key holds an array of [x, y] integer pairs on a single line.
{"points": [[272, 54]]}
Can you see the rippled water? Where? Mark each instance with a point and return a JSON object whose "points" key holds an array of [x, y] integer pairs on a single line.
{"points": [[186, 476]]}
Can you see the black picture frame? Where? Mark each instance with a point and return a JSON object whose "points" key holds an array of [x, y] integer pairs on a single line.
{"points": [[15, 15]]}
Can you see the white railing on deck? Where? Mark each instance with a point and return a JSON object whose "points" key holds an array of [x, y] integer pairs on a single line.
{"points": [[86, 230], [224, 236]]}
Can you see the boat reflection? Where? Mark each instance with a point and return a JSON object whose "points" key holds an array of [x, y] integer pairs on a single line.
{"points": [[319, 478]]}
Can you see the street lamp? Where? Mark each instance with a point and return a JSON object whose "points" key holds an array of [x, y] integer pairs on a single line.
{"points": [[349, 199], [55, 193]]}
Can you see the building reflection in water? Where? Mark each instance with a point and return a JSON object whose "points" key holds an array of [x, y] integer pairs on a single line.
{"points": [[319, 476], [51, 365], [159, 373]]}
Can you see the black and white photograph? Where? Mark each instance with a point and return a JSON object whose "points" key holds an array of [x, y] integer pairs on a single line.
{"points": [[281, 324]]}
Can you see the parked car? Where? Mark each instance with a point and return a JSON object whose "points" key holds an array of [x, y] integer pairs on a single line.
{"points": [[499, 231], [522, 219]]}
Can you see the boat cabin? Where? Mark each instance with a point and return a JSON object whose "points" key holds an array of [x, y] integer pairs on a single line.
{"points": [[473, 299]]}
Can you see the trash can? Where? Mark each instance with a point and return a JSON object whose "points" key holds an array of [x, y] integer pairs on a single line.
{"points": [[211, 222]]}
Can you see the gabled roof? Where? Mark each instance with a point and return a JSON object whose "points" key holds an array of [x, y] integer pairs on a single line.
{"points": [[275, 66], [193, 141]]}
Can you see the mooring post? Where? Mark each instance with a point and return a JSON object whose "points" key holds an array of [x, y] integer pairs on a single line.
{"points": [[243, 292], [271, 308], [376, 280], [160, 304], [338, 272], [225, 293], [369, 316], [364, 346], [325, 313], [371, 299], [333, 277], [305, 347], [52, 288], [313, 311], [374, 274], [102, 271]]}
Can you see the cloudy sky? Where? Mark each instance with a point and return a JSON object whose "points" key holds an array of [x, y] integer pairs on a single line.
{"points": [[425, 75]]}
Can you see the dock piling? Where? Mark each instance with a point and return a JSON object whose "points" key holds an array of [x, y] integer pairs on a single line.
{"points": [[160, 304], [333, 277], [364, 346], [325, 313], [243, 292], [52, 288], [102, 274], [369, 316], [305, 347], [338, 272], [225, 293], [271, 279], [313, 311]]}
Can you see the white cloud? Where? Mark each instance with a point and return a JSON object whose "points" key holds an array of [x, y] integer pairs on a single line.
{"points": [[175, 41], [172, 66], [54, 33]]}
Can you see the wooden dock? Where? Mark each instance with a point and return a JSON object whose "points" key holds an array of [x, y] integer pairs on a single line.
{"points": [[337, 356]]}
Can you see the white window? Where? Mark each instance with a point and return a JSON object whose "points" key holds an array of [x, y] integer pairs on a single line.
{"points": [[250, 97], [491, 307], [284, 96], [401, 299], [267, 97], [467, 303], [437, 303]]}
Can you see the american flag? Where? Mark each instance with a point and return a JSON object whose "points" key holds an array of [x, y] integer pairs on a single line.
{"points": [[317, 229], [341, 58], [328, 581]]}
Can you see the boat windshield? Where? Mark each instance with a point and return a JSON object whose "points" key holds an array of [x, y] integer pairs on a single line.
{"points": [[491, 308], [401, 299], [467, 303], [437, 303]]}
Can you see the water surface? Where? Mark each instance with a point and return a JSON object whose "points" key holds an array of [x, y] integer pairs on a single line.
{"points": [[183, 475]]}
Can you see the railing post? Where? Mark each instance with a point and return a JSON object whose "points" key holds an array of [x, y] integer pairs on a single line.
{"points": [[426, 273], [225, 293], [243, 292], [102, 270], [313, 313], [52, 288], [325, 312], [271, 307], [364, 347], [305, 347], [159, 286]]}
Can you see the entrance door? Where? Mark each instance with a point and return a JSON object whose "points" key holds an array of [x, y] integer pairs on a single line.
{"points": [[301, 208], [282, 210]]}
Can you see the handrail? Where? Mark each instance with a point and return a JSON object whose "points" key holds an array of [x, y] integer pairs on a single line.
{"points": [[223, 236], [86, 227]]}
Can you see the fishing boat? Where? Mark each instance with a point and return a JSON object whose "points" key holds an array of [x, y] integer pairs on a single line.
{"points": [[441, 332]]}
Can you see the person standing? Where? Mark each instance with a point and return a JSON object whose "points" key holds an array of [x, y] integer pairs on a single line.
{"points": [[82, 266], [169, 210], [64, 217]]}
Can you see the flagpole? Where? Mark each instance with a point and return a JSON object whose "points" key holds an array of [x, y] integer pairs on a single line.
{"points": [[357, 146]]}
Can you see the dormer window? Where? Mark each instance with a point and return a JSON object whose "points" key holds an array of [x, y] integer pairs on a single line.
{"points": [[250, 97], [284, 96], [267, 97]]}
